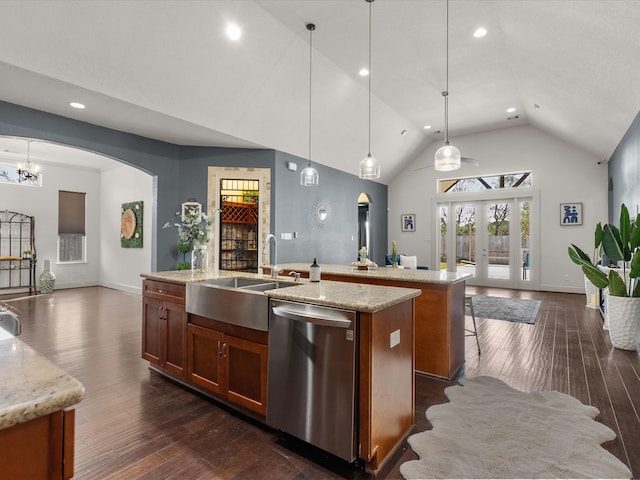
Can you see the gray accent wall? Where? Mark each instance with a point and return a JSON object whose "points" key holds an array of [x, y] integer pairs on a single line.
{"points": [[336, 240], [180, 173], [624, 173]]}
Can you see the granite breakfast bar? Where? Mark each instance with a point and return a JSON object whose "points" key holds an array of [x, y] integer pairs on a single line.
{"points": [[36, 421], [439, 310]]}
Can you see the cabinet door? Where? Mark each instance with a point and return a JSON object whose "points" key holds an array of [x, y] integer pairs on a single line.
{"points": [[205, 353], [245, 364], [175, 338], [152, 330]]}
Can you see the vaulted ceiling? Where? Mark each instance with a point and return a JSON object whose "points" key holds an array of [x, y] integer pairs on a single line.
{"points": [[166, 70]]}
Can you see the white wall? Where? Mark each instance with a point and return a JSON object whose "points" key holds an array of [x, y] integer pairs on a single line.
{"points": [[561, 173], [120, 268], [107, 263]]}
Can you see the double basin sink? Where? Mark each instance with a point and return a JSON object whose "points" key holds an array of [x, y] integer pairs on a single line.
{"points": [[235, 300]]}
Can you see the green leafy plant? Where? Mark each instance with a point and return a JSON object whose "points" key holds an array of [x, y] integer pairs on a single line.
{"points": [[620, 244], [194, 229]]}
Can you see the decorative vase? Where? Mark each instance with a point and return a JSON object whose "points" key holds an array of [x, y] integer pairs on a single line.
{"points": [[200, 258], [591, 292], [623, 315], [47, 278]]}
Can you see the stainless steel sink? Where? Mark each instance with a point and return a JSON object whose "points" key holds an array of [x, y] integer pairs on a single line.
{"points": [[239, 301], [235, 282]]}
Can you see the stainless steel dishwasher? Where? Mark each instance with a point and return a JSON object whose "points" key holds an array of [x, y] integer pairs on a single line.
{"points": [[312, 375]]}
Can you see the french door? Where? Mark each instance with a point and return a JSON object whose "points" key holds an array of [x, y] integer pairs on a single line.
{"points": [[489, 239]]}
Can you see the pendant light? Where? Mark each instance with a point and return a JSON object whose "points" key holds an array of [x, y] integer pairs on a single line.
{"points": [[309, 176], [369, 166], [447, 157]]}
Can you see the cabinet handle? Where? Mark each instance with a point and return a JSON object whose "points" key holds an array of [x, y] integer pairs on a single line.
{"points": [[219, 349], [224, 347], [162, 291]]}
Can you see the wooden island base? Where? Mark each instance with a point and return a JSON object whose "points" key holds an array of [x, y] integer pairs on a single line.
{"points": [[439, 311]]}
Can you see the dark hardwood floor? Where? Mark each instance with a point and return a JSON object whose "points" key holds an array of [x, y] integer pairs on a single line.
{"points": [[133, 424]]}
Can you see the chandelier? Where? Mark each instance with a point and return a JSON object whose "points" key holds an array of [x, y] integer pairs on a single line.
{"points": [[29, 171]]}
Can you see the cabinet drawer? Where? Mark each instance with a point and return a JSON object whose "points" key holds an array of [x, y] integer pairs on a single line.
{"points": [[170, 292]]}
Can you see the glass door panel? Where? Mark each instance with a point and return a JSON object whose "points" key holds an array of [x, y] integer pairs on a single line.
{"points": [[465, 244], [443, 249], [525, 247], [498, 260]]}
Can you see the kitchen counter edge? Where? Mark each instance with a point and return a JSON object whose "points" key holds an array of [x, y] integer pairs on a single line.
{"points": [[352, 296], [30, 385]]}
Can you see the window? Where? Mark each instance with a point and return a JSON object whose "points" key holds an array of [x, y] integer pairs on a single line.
{"points": [[488, 182], [71, 227]]}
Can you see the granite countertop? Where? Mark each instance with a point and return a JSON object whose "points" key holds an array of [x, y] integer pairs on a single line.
{"points": [[352, 296], [384, 273], [30, 385]]}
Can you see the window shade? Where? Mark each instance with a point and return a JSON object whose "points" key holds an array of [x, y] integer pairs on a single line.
{"points": [[71, 211]]}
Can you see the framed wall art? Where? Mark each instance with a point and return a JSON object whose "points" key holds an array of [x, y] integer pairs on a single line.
{"points": [[131, 216], [191, 208], [570, 214], [408, 222]]}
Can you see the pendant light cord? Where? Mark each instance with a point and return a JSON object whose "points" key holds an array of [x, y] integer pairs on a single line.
{"points": [[370, 2], [446, 92], [311, 27]]}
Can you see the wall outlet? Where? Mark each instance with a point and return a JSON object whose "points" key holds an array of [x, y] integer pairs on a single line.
{"points": [[394, 338]]}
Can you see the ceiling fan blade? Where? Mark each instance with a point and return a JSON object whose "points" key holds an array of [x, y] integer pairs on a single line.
{"points": [[467, 160], [470, 161]]}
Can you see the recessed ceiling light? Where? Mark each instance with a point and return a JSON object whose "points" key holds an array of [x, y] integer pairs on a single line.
{"points": [[363, 72], [511, 109], [427, 127], [77, 105], [480, 32], [233, 31]]}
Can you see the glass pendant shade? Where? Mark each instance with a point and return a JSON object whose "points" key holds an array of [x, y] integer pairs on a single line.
{"points": [[369, 168], [309, 177], [447, 158]]}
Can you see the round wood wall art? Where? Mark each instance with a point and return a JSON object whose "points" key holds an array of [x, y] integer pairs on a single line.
{"points": [[128, 223]]}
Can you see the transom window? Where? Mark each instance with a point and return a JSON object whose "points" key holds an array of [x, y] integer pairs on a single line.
{"points": [[484, 183]]}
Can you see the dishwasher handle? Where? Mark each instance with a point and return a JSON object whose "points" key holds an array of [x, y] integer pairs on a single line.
{"points": [[314, 318]]}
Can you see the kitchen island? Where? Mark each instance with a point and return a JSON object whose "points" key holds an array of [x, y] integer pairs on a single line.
{"points": [[439, 311], [179, 346], [36, 422]]}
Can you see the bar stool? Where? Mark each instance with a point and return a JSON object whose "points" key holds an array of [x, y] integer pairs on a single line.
{"points": [[468, 301]]}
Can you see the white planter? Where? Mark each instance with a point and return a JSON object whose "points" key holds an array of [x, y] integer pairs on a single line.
{"points": [[592, 293], [623, 315]]}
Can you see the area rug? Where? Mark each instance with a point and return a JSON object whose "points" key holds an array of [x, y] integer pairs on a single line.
{"points": [[510, 309], [490, 430]]}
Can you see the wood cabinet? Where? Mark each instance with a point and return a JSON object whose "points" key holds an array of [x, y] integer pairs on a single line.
{"points": [[40, 449], [439, 322], [387, 381], [229, 366], [164, 326]]}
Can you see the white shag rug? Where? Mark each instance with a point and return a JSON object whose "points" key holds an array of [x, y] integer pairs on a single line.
{"points": [[490, 430]]}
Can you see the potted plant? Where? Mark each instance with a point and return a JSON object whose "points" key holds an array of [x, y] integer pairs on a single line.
{"points": [[621, 244]]}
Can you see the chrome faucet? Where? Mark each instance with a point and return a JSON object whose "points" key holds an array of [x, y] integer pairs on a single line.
{"points": [[295, 274], [274, 268]]}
